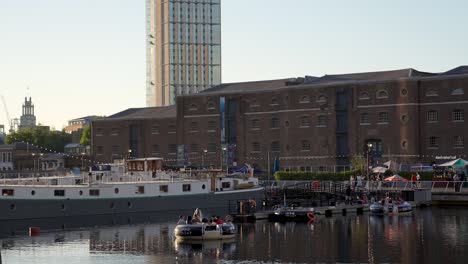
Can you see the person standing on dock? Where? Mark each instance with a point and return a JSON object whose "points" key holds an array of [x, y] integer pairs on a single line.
{"points": [[413, 180], [348, 195], [351, 180], [418, 179]]}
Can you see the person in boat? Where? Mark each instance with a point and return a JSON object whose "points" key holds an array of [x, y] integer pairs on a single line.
{"points": [[219, 221], [182, 220], [196, 219], [189, 220]]}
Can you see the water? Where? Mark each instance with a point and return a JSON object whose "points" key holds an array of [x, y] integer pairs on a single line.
{"points": [[431, 235]]}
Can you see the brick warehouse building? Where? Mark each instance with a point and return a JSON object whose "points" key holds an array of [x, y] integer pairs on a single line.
{"points": [[306, 123]]}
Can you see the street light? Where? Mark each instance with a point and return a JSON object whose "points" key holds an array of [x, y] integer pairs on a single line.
{"points": [[369, 147], [34, 162], [203, 157], [222, 159], [82, 160]]}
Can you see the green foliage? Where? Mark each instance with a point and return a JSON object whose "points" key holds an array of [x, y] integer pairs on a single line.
{"points": [[359, 163], [86, 136], [308, 175], [42, 137]]}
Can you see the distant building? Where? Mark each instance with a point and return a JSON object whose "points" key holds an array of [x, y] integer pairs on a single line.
{"points": [[2, 134], [79, 123], [75, 127], [27, 119], [52, 162], [183, 48], [77, 149], [6, 158]]}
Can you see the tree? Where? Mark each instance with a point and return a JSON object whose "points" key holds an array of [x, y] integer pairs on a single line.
{"points": [[42, 137], [86, 136], [359, 163]]}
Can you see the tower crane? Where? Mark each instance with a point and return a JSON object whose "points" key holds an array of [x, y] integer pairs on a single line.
{"points": [[10, 121]]}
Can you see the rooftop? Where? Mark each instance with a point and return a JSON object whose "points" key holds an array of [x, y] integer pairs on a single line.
{"points": [[145, 112], [330, 80]]}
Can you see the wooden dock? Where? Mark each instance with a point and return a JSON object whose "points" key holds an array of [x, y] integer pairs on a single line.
{"points": [[341, 209]]}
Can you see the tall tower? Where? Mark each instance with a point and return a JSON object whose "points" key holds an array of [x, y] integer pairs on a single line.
{"points": [[28, 119], [183, 48]]}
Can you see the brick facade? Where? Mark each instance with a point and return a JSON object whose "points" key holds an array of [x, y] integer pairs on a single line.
{"points": [[307, 123]]}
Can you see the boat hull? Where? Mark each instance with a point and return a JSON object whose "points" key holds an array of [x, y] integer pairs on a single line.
{"points": [[205, 232], [18, 209]]}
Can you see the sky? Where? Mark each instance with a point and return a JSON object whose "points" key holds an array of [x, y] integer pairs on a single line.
{"points": [[87, 57]]}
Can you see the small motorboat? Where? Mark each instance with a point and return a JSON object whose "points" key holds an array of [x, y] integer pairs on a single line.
{"points": [[205, 231], [292, 214], [390, 208], [376, 208], [196, 229]]}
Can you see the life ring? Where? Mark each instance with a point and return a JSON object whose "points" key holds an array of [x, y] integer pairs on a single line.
{"points": [[316, 185], [311, 216]]}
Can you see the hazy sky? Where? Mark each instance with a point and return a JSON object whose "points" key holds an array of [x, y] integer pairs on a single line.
{"points": [[83, 57]]}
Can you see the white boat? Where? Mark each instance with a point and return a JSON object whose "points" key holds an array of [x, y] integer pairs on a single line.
{"points": [[139, 186], [205, 231], [391, 208]]}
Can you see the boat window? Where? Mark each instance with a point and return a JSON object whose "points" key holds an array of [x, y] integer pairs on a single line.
{"points": [[140, 190], [93, 192], [8, 192], [33, 192], [59, 192], [203, 187], [164, 188], [226, 185], [116, 190], [186, 187]]}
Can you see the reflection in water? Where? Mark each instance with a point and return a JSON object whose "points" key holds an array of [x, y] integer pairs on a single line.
{"points": [[429, 236]]}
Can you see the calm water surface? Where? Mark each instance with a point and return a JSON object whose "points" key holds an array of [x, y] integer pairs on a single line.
{"points": [[431, 235]]}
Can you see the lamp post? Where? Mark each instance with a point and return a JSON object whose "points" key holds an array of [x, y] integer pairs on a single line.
{"points": [[39, 168], [82, 160], [203, 157], [369, 147], [222, 157], [34, 162]]}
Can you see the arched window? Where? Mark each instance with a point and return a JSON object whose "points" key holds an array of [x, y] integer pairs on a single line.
{"points": [[432, 92], [274, 101], [321, 99], [193, 107], [304, 99], [382, 94], [458, 91], [364, 96], [210, 106], [253, 102]]}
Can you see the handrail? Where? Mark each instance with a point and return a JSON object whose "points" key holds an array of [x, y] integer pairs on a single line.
{"points": [[340, 186]]}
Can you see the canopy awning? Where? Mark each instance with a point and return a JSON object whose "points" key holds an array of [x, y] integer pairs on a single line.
{"points": [[455, 163]]}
